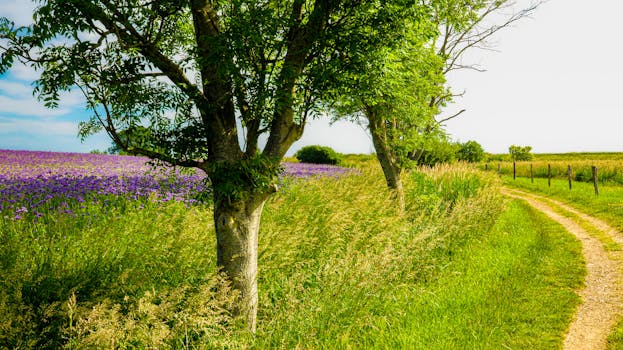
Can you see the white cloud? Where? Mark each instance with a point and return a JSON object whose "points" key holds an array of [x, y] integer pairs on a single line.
{"points": [[15, 89], [28, 107], [19, 11], [23, 72], [17, 98], [71, 99], [21, 126]]}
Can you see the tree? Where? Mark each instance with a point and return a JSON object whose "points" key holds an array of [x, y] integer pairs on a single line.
{"points": [[404, 89], [520, 153], [392, 96], [470, 151], [200, 76]]}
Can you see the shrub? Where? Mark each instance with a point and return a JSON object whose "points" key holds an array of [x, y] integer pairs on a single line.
{"points": [[436, 151], [470, 151], [520, 153], [318, 155]]}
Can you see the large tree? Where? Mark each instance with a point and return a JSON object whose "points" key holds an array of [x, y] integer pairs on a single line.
{"points": [[195, 83]]}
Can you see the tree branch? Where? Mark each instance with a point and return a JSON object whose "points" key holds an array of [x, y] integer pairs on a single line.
{"points": [[451, 117]]}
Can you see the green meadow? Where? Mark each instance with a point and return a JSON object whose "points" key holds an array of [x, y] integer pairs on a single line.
{"points": [[340, 268]]}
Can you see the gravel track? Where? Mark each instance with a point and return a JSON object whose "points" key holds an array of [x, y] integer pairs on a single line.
{"points": [[602, 294]]}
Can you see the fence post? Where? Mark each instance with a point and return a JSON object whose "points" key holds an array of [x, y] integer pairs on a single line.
{"points": [[487, 167], [499, 169], [595, 181], [514, 171], [549, 175], [569, 175], [531, 174]]}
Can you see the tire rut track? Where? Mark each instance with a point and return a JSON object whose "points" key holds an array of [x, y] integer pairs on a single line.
{"points": [[602, 293]]}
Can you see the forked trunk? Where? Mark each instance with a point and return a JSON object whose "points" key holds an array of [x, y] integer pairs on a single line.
{"points": [[237, 225]]}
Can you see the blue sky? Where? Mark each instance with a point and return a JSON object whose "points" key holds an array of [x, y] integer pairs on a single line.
{"points": [[554, 82]]}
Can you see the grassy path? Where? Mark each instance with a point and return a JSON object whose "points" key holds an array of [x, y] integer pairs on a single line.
{"points": [[601, 295]]}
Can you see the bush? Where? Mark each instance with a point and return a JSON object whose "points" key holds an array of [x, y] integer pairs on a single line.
{"points": [[520, 153], [470, 151], [318, 155], [437, 151]]}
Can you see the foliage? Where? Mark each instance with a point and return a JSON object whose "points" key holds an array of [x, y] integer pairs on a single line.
{"points": [[185, 82], [393, 96], [318, 155], [436, 151], [234, 182], [403, 89], [470, 151], [168, 80], [490, 157], [520, 153]]}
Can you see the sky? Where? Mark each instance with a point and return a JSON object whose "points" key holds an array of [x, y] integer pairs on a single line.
{"points": [[553, 82]]}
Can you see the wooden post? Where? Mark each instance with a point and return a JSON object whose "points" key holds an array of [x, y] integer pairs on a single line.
{"points": [[531, 174], [514, 171], [549, 175], [569, 175], [487, 167], [595, 181], [499, 169]]}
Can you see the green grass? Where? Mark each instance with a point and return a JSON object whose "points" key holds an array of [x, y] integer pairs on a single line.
{"points": [[339, 268], [565, 156], [513, 288], [607, 206], [580, 156]]}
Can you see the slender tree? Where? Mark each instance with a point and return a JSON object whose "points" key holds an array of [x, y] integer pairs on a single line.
{"points": [[402, 93], [392, 98], [195, 83]]}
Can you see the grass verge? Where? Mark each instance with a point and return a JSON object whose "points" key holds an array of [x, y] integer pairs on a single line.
{"points": [[512, 288], [339, 268], [608, 206]]}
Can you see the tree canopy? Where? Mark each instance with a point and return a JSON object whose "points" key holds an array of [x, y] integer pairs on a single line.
{"points": [[195, 83]]}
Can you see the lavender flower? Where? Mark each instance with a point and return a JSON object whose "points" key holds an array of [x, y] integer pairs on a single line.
{"points": [[34, 182]]}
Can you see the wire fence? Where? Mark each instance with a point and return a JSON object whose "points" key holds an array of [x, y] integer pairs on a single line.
{"points": [[582, 172]]}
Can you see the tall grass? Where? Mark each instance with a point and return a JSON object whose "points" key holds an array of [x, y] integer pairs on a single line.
{"points": [[340, 267]]}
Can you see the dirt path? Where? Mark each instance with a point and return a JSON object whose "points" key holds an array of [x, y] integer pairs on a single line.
{"points": [[602, 295]]}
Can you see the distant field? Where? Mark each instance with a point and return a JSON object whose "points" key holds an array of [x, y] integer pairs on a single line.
{"points": [[565, 156], [580, 156], [608, 170]]}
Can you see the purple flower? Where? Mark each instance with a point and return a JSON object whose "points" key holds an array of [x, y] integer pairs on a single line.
{"points": [[36, 182]]}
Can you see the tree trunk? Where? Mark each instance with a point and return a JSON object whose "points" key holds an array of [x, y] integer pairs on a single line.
{"points": [[392, 176], [237, 225], [390, 167]]}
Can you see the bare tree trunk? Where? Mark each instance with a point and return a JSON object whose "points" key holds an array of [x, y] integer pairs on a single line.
{"points": [[237, 226]]}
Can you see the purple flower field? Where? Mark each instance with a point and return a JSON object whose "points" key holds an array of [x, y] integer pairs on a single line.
{"points": [[32, 182]]}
